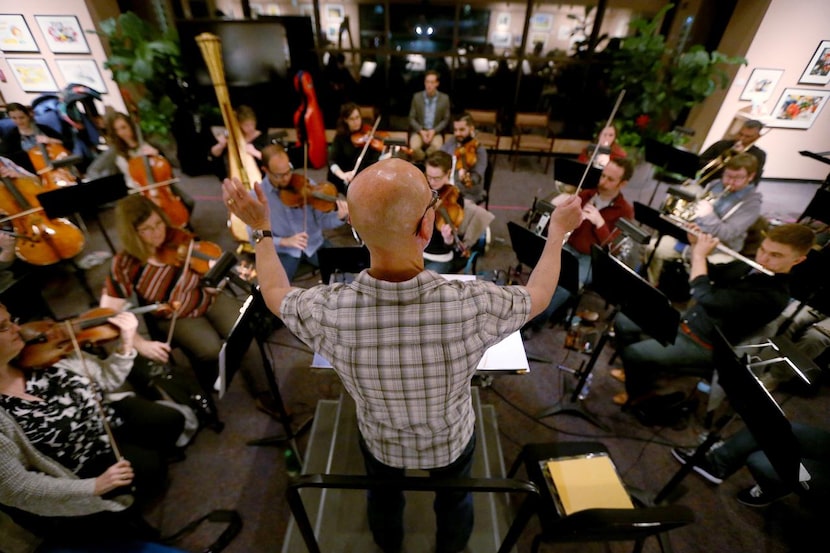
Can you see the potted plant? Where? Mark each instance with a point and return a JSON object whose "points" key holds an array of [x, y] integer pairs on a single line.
{"points": [[146, 64], [661, 84]]}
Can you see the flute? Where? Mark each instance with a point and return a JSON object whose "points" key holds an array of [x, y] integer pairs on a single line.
{"points": [[683, 224]]}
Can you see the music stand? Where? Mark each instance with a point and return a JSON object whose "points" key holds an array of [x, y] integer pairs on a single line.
{"points": [[342, 260], [631, 295], [669, 159], [650, 217], [256, 322], [760, 412], [570, 172]]}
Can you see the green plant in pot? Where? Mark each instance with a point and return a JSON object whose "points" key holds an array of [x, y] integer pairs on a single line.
{"points": [[661, 84], [146, 63]]}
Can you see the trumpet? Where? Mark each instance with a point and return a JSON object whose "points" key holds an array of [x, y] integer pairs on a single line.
{"points": [[683, 224]]}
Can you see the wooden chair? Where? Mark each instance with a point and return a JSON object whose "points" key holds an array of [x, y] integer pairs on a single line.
{"points": [[532, 133], [487, 129], [368, 114]]}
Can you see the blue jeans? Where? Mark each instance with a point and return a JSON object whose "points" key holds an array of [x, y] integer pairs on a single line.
{"points": [[453, 510], [742, 449], [291, 264], [644, 359]]}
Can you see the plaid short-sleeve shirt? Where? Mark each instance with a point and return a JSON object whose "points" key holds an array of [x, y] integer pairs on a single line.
{"points": [[406, 352]]}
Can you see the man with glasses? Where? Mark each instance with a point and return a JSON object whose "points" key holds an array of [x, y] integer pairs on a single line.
{"points": [[298, 231], [443, 254], [404, 341], [744, 142]]}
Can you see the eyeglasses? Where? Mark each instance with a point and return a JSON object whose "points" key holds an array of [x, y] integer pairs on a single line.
{"points": [[434, 178], [279, 176], [7, 325], [432, 202]]}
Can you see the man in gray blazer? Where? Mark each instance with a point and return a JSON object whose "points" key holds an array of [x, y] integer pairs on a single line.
{"points": [[429, 115]]}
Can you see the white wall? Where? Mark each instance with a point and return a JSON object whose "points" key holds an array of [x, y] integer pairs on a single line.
{"points": [[786, 39], [11, 89]]}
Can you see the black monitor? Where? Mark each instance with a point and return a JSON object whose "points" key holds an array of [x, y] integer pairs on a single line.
{"points": [[762, 415]]}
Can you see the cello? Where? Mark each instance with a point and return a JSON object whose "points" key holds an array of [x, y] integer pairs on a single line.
{"points": [[308, 120], [53, 175], [154, 174], [40, 240]]}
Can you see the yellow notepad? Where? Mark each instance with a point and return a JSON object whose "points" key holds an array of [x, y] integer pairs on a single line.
{"points": [[587, 483]]}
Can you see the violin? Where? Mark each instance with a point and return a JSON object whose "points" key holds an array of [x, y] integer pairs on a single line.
{"points": [[41, 241], [376, 139], [43, 158], [47, 342], [174, 251], [300, 192], [448, 211], [465, 158]]}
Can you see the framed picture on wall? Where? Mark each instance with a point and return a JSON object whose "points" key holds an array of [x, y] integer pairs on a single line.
{"points": [[15, 35], [503, 20], [32, 74], [761, 84], [63, 34], [501, 39], [818, 70], [82, 71], [798, 108], [541, 22]]}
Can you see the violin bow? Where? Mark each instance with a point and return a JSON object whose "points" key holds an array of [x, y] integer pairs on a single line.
{"points": [[175, 317], [366, 146], [116, 451], [305, 178]]}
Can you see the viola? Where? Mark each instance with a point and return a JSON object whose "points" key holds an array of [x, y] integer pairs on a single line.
{"points": [[40, 240], [308, 120], [465, 158], [448, 211], [43, 158], [174, 251], [47, 342], [300, 192]]}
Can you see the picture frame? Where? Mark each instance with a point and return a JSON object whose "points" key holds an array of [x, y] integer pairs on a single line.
{"points": [[334, 13], [503, 20], [541, 22], [32, 74], [63, 34], [798, 108], [818, 68], [761, 84], [501, 39], [15, 35], [82, 71]]}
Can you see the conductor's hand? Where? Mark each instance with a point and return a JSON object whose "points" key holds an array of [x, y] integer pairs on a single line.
{"points": [[253, 211], [566, 217], [118, 475], [299, 241]]}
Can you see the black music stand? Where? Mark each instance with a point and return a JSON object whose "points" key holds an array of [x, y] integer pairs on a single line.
{"points": [[629, 294], [528, 247], [570, 172], [759, 411], [650, 217], [669, 160], [256, 322], [342, 261]]}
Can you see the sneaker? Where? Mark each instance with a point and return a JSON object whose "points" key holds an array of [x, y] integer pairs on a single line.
{"points": [[703, 467], [755, 497]]}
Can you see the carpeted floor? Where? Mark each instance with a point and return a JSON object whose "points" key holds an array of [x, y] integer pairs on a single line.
{"points": [[221, 471]]}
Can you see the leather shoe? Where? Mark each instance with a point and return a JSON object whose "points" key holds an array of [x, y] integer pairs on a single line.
{"points": [[620, 399], [617, 374]]}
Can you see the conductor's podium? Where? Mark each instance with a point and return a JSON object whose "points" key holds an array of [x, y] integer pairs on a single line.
{"points": [[338, 516]]}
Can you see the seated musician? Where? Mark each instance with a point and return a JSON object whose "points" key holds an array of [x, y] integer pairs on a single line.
{"points": [[444, 254], [726, 210], [601, 209], [733, 296], [297, 226], [470, 158], [26, 134], [10, 170], [62, 478], [346, 148], [255, 140], [150, 267], [744, 143], [124, 140], [429, 115], [607, 139]]}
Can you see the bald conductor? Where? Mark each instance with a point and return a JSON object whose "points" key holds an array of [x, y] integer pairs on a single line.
{"points": [[404, 341]]}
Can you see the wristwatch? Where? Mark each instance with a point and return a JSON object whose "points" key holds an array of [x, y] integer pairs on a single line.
{"points": [[260, 234]]}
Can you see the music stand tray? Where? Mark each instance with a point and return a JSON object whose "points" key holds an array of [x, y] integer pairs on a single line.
{"points": [[570, 171]]}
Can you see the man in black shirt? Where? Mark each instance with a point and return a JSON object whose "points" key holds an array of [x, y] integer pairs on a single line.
{"points": [[745, 142]]}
